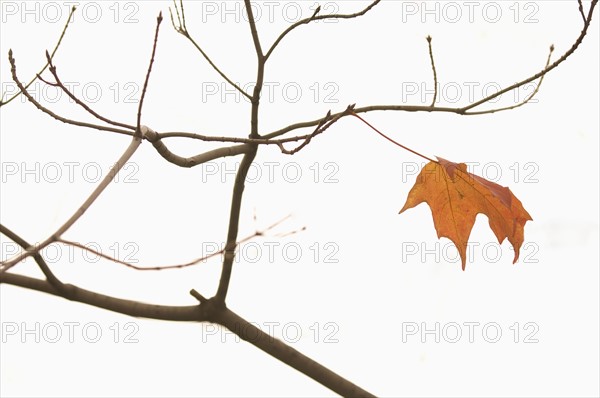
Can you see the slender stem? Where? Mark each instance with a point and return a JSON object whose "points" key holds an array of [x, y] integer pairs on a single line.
{"points": [[47, 63], [526, 100], [50, 277], [79, 102], [234, 220], [259, 74], [240, 178], [391, 140], [182, 29], [133, 146], [215, 67], [559, 61], [316, 17], [122, 306], [47, 111], [139, 114], [435, 79], [163, 267], [581, 10]]}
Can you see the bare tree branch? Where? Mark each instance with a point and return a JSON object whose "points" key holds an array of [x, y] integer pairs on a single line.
{"points": [[2, 102], [435, 80], [215, 309], [559, 61], [260, 72], [209, 310], [240, 178], [182, 29], [526, 100], [58, 83], [581, 10], [50, 277], [286, 354], [234, 220], [173, 266], [466, 110], [316, 17], [138, 132], [52, 114], [204, 157], [122, 306], [133, 146]]}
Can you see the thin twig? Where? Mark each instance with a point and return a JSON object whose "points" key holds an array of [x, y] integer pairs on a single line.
{"points": [[316, 17], [260, 71], [173, 266], [181, 24], [190, 313], [435, 79], [581, 10], [45, 66], [391, 140], [539, 74], [323, 125], [198, 296], [240, 178], [60, 85], [460, 111], [526, 100], [133, 146], [52, 114], [50, 277], [138, 132], [182, 29]]}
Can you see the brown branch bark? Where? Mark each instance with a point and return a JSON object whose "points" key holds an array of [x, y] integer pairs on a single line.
{"points": [[210, 310]]}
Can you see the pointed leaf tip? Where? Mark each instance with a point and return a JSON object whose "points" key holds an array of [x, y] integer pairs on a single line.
{"points": [[456, 196]]}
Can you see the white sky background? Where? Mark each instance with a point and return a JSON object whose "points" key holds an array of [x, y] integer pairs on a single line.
{"points": [[378, 274]]}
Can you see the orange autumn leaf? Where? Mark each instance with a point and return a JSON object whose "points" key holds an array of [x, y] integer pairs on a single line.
{"points": [[456, 196]]}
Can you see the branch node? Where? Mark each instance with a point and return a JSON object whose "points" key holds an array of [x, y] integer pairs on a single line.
{"points": [[316, 12], [198, 296]]}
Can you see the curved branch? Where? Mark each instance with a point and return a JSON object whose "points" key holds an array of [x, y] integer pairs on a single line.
{"points": [[364, 109], [260, 72], [316, 17], [138, 132], [525, 101], [122, 306], [234, 221], [286, 354], [207, 311], [133, 146], [182, 29], [204, 157], [435, 79], [165, 267], [47, 63], [559, 61], [79, 102], [52, 114], [462, 110], [50, 277]]}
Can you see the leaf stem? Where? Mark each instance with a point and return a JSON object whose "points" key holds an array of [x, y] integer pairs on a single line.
{"points": [[391, 140]]}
